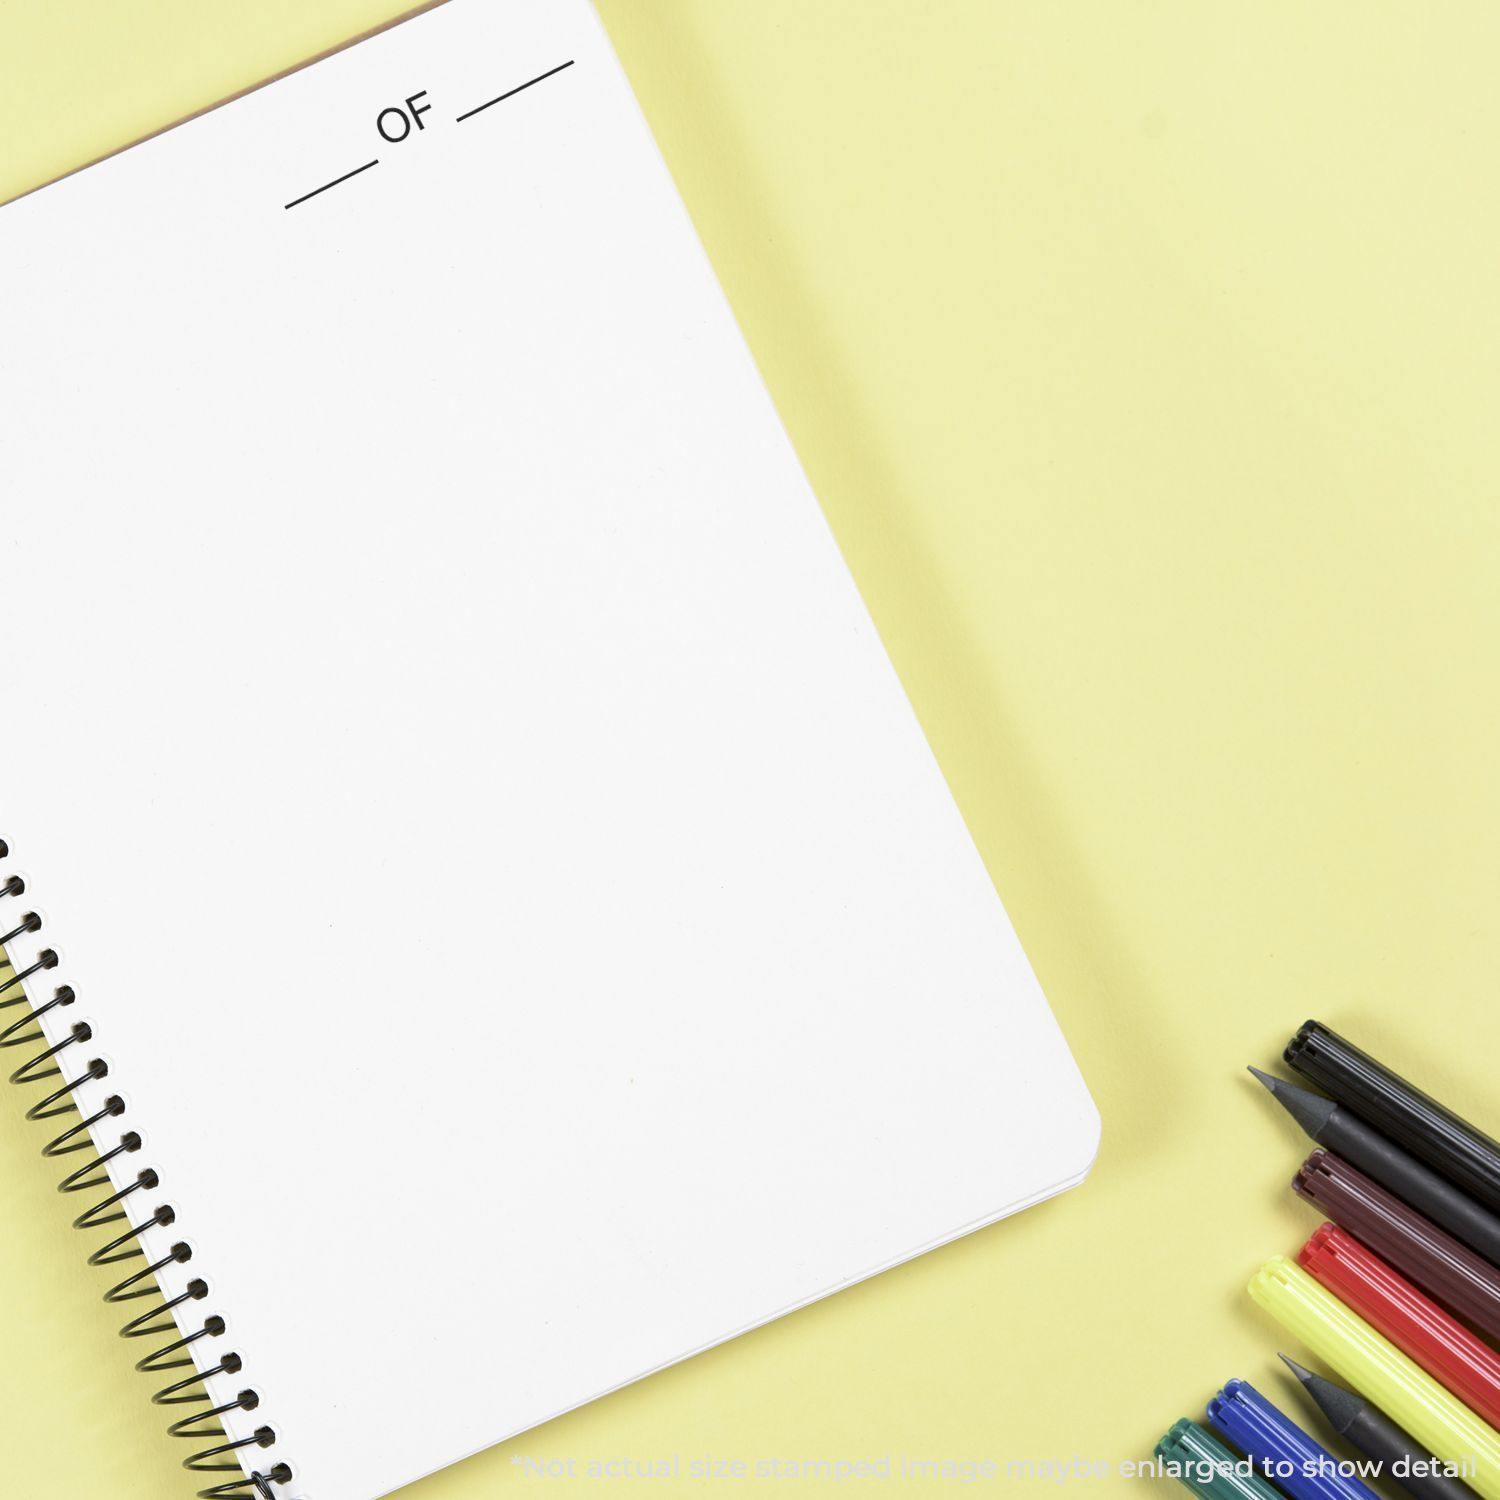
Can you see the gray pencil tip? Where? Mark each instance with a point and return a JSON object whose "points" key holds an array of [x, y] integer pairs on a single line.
{"points": [[1341, 1407], [1311, 1111]]}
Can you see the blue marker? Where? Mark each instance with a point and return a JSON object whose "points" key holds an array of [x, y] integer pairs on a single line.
{"points": [[1282, 1451]]}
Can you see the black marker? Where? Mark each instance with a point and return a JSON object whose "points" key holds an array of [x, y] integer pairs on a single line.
{"points": [[1398, 1171], [1461, 1152], [1367, 1428]]}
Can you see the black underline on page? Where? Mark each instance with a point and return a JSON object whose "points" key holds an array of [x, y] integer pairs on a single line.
{"points": [[333, 184], [511, 93]]}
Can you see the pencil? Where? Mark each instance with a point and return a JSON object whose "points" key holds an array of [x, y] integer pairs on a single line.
{"points": [[1362, 1426]]}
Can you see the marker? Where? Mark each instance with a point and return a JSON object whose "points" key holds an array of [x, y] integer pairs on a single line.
{"points": [[1365, 1427], [1450, 1273], [1202, 1463], [1282, 1451], [1461, 1152], [1398, 1171], [1415, 1324], [1376, 1368]]}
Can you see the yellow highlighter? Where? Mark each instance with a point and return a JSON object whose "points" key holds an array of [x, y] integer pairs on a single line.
{"points": [[1405, 1392]]}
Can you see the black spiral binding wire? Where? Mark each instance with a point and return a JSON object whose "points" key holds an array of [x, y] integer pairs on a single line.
{"points": [[222, 1456]]}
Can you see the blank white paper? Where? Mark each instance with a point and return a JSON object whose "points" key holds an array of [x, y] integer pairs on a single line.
{"points": [[466, 790]]}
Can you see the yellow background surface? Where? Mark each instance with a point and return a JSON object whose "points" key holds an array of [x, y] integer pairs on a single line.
{"points": [[1145, 359]]}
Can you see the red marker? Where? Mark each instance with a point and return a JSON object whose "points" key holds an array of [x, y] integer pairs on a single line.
{"points": [[1412, 1322]]}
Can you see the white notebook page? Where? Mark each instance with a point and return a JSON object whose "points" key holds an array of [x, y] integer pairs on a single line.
{"points": [[468, 795]]}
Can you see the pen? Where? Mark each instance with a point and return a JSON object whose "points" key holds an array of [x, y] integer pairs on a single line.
{"points": [[1282, 1451], [1464, 1154], [1413, 1323], [1450, 1273], [1404, 1391], [1202, 1463]]}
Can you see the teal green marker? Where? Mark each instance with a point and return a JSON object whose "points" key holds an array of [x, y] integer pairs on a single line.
{"points": [[1207, 1467]]}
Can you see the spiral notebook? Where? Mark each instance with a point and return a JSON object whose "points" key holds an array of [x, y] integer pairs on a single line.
{"points": [[477, 871]]}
